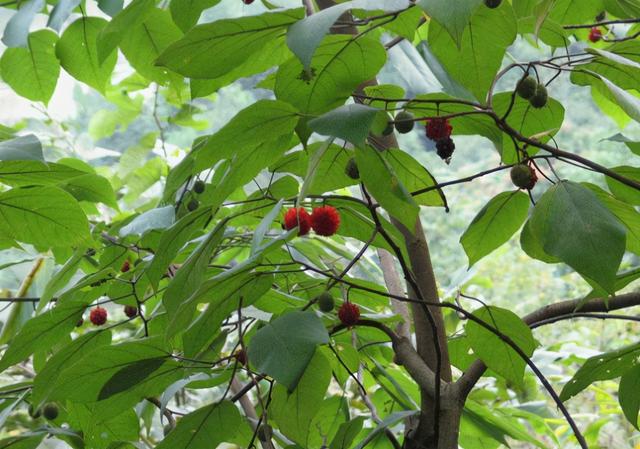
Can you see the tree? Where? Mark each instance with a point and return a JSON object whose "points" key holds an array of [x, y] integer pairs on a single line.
{"points": [[259, 299]]}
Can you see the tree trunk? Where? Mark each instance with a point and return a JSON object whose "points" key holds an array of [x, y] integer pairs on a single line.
{"points": [[423, 436]]}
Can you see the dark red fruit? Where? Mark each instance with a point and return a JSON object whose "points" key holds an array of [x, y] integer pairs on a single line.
{"points": [[295, 216], [595, 34], [438, 129], [445, 148], [247, 2], [131, 311], [325, 220], [349, 313], [126, 266], [241, 356], [98, 316]]}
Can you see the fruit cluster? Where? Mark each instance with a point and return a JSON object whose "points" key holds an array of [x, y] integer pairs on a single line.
{"points": [[530, 89], [324, 220], [198, 188], [439, 130]]}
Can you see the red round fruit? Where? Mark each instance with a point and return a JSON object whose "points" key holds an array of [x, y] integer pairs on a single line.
{"points": [[325, 220], [247, 2], [241, 356], [595, 34], [126, 266], [349, 313], [98, 316], [295, 216], [131, 311], [438, 129]]}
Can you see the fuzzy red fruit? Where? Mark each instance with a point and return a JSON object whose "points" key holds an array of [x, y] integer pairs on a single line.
{"points": [[595, 34], [349, 313], [126, 266], [438, 129], [98, 316], [130, 311], [295, 216], [325, 220]]}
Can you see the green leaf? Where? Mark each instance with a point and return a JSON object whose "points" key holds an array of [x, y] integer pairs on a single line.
{"points": [[339, 66], [30, 442], [61, 12], [474, 60], [43, 216], [264, 226], [351, 122], [159, 218], [21, 148], [130, 375], [629, 395], [608, 365], [284, 347], [492, 350], [208, 427], [305, 35], [453, 16], [191, 274], [97, 433], [294, 411], [385, 186], [111, 7], [145, 40], [573, 225], [78, 53], [532, 247], [415, 177], [16, 32], [44, 382], [347, 433], [627, 101], [43, 331], [33, 71], [185, 13], [494, 225], [621, 191], [232, 41], [388, 422], [120, 25]]}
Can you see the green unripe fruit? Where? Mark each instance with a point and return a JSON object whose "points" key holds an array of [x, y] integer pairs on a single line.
{"points": [[526, 88], [50, 411], [326, 302], [35, 413], [351, 170], [389, 129], [198, 186], [264, 432], [522, 176], [492, 3], [539, 99], [192, 205], [404, 122]]}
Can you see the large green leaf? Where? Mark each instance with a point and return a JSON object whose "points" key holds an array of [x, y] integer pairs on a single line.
{"points": [[33, 71], [385, 186], [185, 13], [283, 348], [294, 410], [477, 58], [629, 395], [16, 31], [98, 434], [159, 218], [43, 216], [573, 225], [305, 35], [339, 65], [144, 41], [453, 16], [78, 53], [608, 365], [43, 331], [623, 192], [351, 122], [46, 378], [21, 148], [213, 49], [120, 25], [494, 225], [209, 426], [415, 177], [492, 350]]}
